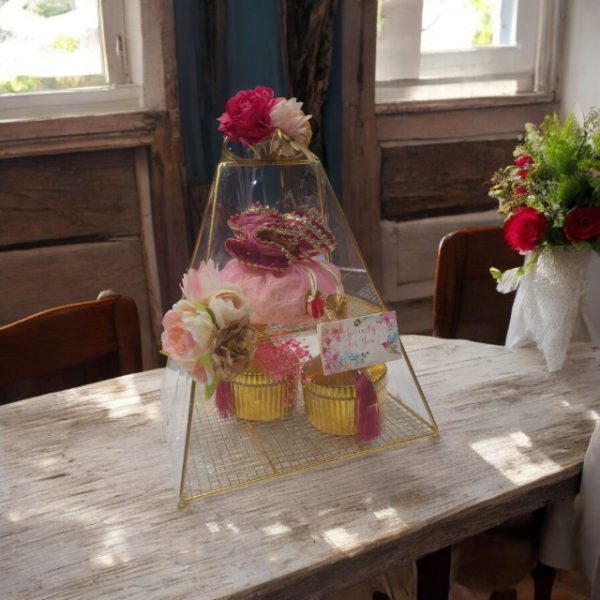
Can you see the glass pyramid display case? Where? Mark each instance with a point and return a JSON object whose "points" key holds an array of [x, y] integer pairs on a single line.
{"points": [[270, 370]]}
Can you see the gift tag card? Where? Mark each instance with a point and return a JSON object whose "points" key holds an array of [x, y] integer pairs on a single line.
{"points": [[358, 342]]}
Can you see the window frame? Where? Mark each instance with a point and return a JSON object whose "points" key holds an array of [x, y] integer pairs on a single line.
{"points": [[128, 88], [540, 78]]}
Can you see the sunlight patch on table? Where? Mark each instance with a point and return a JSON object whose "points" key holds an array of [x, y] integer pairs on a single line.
{"points": [[213, 527], [276, 529], [512, 455], [151, 412], [115, 553], [341, 538], [388, 515], [233, 528]]}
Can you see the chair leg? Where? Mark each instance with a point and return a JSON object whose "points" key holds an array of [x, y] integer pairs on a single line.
{"points": [[543, 580], [433, 575]]}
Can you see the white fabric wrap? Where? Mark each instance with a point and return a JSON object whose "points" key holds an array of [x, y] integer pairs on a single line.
{"points": [[571, 533], [554, 306]]}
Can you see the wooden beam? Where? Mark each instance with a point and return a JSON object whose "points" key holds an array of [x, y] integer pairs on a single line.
{"points": [[169, 198], [359, 152], [36, 137]]}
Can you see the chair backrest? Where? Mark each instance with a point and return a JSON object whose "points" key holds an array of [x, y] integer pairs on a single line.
{"points": [[465, 301], [69, 346]]}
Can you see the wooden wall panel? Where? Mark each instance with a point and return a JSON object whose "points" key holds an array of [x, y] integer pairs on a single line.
{"points": [[460, 120], [39, 278], [82, 195], [434, 179]]}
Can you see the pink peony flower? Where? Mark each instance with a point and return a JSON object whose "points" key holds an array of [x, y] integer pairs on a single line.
{"points": [[199, 284], [287, 116], [247, 116], [176, 340]]}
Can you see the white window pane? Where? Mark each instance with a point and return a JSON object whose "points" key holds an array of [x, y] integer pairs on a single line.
{"points": [[460, 24], [398, 39], [455, 48], [50, 44]]}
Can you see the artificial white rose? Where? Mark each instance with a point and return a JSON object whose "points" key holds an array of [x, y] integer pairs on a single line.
{"points": [[228, 306], [287, 116], [200, 324]]}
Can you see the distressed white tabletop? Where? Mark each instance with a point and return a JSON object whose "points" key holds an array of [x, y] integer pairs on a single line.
{"points": [[87, 509]]}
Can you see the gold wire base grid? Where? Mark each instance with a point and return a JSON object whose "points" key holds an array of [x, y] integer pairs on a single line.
{"points": [[228, 453]]}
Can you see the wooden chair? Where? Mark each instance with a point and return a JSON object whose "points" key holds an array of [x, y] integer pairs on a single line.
{"points": [[465, 301], [467, 305], [69, 346]]}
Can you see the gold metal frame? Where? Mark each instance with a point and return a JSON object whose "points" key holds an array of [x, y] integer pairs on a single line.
{"points": [[252, 429]]}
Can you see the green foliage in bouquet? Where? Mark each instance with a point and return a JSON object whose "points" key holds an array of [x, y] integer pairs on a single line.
{"points": [[551, 193]]}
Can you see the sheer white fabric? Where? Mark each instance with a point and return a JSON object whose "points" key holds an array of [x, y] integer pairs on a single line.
{"points": [[552, 306], [571, 534]]}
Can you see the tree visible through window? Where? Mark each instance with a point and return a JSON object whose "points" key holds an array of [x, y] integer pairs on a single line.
{"points": [[50, 45]]}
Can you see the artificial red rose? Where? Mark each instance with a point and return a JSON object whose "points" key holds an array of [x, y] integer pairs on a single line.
{"points": [[525, 229], [582, 224], [522, 189], [247, 116], [523, 160]]}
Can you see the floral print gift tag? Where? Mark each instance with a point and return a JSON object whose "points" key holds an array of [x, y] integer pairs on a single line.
{"points": [[358, 342]]}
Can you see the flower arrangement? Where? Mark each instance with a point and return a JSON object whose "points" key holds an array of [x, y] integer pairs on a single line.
{"points": [[207, 331], [551, 192], [252, 116]]}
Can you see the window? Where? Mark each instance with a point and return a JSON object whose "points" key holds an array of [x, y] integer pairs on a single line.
{"points": [[61, 57], [439, 49]]}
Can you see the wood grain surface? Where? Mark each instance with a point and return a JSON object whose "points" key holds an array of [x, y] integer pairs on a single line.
{"points": [[440, 178], [88, 510], [82, 195]]}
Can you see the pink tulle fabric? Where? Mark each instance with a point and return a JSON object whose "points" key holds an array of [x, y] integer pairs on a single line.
{"points": [[280, 296]]}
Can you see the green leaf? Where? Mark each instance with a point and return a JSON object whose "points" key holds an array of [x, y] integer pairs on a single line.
{"points": [[210, 388], [206, 359], [495, 273]]}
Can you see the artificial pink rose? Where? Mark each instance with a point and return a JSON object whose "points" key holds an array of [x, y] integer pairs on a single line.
{"points": [[247, 116], [525, 229], [582, 224], [176, 340]]}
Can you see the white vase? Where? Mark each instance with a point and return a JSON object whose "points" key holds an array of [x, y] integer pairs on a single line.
{"points": [[554, 306]]}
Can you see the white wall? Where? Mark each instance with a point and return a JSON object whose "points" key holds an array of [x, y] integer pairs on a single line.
{"points": [[580, 80]]}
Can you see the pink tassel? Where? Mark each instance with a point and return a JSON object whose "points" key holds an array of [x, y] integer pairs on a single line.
{"points": [[224, 400], [368, 418]]}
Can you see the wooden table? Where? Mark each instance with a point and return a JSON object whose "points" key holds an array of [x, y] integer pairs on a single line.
{"points": [[88, 509]]}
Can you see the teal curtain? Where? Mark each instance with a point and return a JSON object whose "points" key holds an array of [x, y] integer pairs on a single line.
{"points": [[224, 46]]}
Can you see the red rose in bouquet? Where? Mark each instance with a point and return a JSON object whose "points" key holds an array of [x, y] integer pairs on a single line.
{"points": [[582, 224], [525, 229], [247, 116]]}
